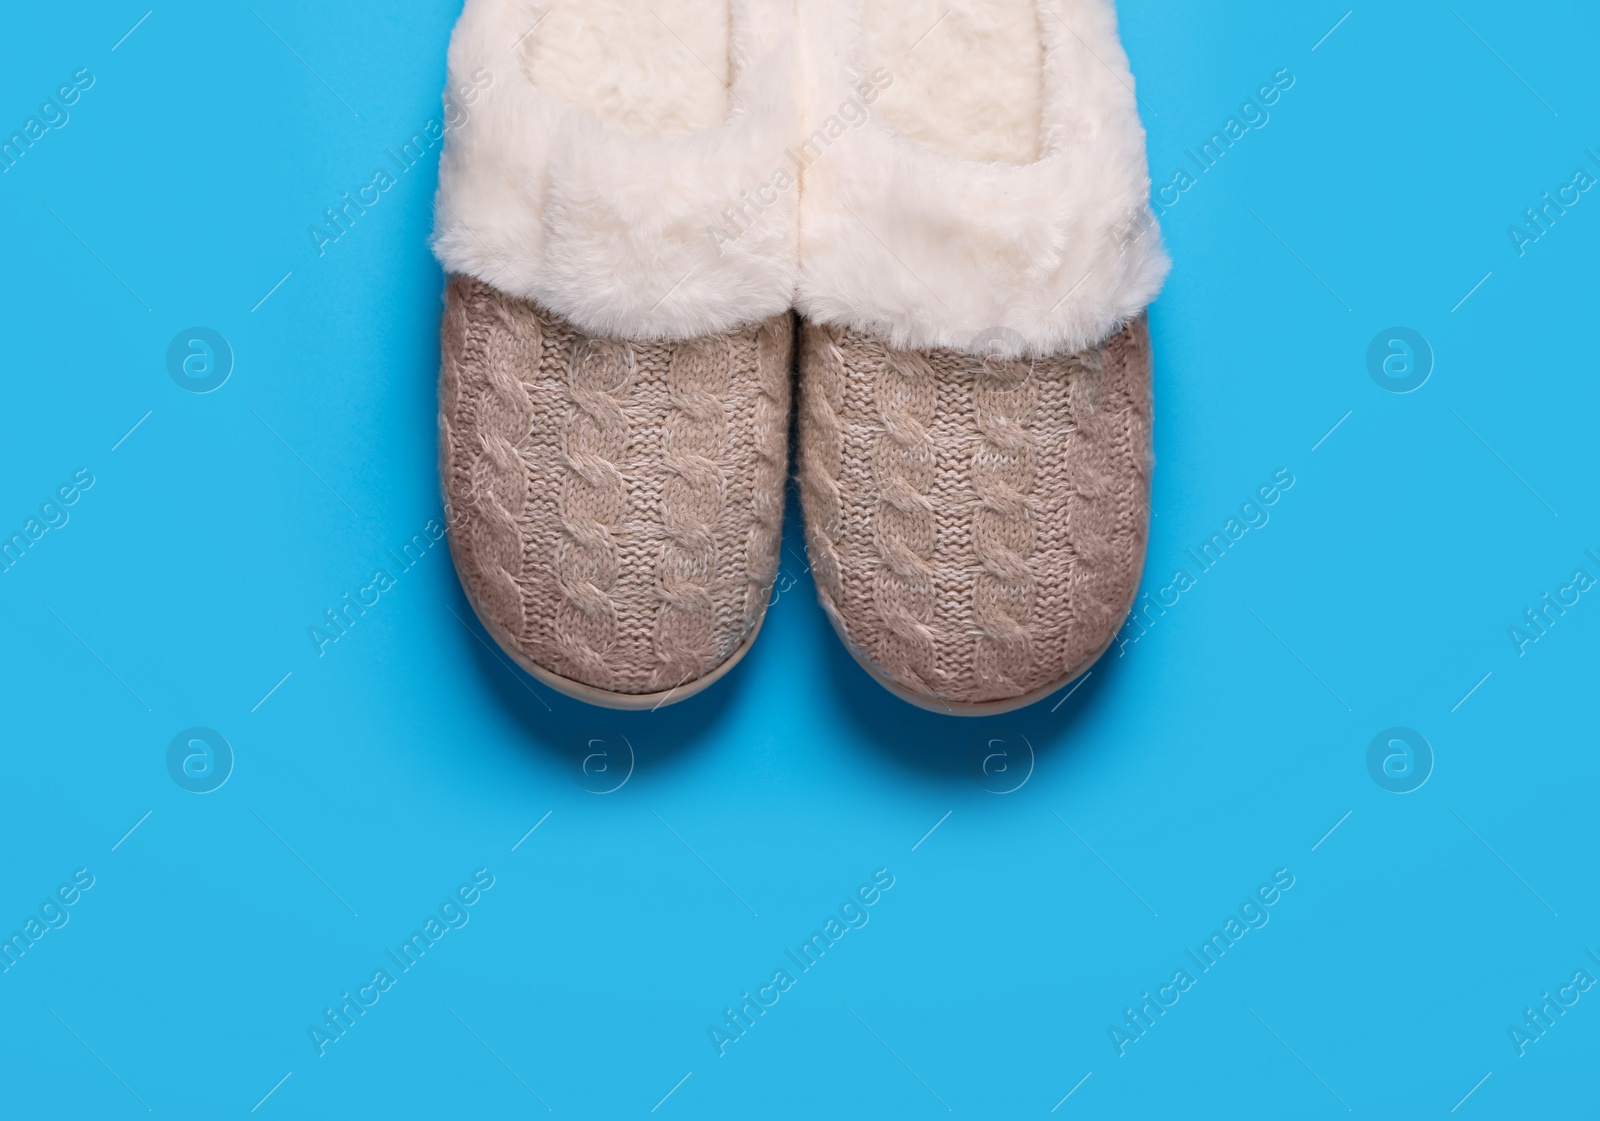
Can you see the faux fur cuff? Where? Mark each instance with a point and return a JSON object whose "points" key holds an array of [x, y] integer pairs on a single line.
{"points": [[928, 250], [624, 237]]}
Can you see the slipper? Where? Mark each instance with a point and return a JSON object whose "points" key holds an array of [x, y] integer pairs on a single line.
{"points": [[617, 340], [977, 253]]}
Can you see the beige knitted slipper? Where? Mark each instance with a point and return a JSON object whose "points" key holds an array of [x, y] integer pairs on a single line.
{"points": [[976, 526], [614, 395], [975, 365]]}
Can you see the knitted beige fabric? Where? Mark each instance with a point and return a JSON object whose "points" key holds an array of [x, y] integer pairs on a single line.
{"points": [[977, 526], [615, 506]]}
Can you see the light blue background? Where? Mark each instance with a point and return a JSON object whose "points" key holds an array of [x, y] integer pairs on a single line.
{"points": [[1222, 746]]}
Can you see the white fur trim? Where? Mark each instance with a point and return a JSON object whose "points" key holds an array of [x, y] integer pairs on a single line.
{"points": [[930, 250], [625, 237]]}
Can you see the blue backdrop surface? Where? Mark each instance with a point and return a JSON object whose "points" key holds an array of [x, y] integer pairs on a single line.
{"points": [[1359, 745]]}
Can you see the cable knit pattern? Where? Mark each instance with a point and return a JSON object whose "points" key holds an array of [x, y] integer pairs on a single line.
{"points": [[487, 476], [691, 500], [1012, 494], [614, 505], [594, 503], [763, 544], [821, 456], [1004, 466], [904, 529]]}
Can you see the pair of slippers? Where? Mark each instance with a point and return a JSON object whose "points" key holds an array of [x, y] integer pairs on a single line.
{"points": [[659, 216]]}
